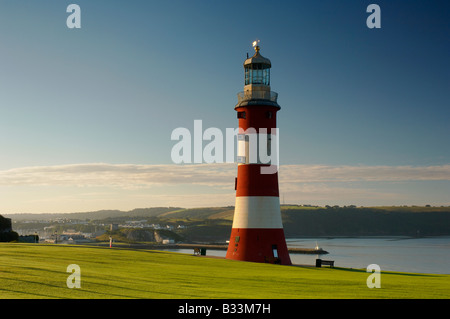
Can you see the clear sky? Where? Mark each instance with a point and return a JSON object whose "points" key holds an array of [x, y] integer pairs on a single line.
{"points": [[86, 115]]}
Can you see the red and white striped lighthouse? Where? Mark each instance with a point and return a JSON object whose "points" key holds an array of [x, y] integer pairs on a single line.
{"points": [[257, 233]]}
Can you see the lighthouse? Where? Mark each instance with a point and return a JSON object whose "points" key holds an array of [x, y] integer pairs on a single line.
{"points": [[257, 233]]}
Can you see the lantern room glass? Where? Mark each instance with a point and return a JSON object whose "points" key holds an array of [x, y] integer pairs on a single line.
{"points": [[257, 74]]}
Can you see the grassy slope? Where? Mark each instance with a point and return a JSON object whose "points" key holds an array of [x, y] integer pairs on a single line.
{"points": [[39, 271]]}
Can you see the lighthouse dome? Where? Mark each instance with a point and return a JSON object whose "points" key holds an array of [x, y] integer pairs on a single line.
{"points": [[257, 58]]}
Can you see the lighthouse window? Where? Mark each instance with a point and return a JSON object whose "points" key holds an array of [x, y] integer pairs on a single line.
{"points": [[247, 76], [257, 76], [269, 114], [266, 76], [241, 115]]}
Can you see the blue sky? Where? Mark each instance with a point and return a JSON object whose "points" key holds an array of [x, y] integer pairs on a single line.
{"points": [[86, 114]]}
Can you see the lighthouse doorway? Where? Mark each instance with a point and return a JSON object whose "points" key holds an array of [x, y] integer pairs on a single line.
{"points": [[275, 251]]}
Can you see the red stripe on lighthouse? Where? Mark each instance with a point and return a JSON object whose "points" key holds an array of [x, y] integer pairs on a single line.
{"points": [[250, 181], [258, 116]]}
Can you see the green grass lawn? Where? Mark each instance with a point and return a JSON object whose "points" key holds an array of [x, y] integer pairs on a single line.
{"points": [[39, 271]]}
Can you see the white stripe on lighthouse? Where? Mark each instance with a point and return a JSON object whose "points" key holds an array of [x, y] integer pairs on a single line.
{"points": [[257, 148], [257, 212]]}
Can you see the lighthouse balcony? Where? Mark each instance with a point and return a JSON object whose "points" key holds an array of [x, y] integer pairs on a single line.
{"points": [[257, 95]]}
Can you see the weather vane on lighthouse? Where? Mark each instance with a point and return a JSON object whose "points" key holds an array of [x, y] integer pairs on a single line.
{"points": [[256, 45]]}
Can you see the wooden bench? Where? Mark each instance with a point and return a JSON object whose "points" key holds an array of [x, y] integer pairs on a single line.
{"points": [[320, 262], [200, 251]]}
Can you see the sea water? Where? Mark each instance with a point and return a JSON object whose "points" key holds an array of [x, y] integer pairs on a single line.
{"points": [[405, 254]]}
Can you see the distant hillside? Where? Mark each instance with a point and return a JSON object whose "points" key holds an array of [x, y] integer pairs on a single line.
{"points": [[201, 213], [385, 221], [101, 214], [214, 223]]}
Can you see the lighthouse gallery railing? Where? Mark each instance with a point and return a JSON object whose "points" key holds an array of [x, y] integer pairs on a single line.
{"points": [[257, 95]]}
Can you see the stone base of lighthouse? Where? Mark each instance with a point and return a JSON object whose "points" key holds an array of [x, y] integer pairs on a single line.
{"points": [[257, 233]]}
